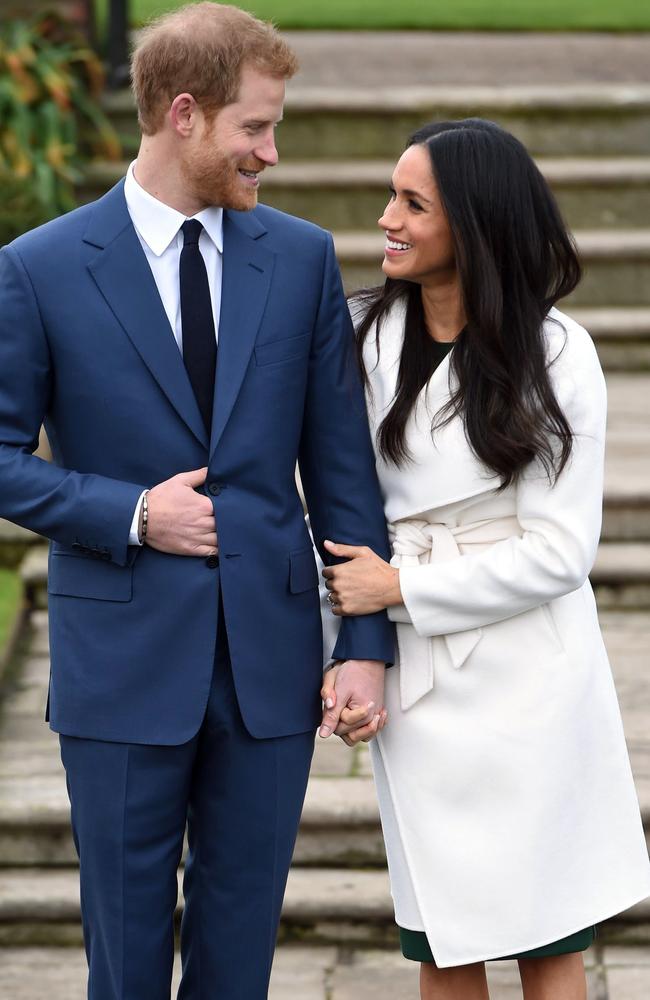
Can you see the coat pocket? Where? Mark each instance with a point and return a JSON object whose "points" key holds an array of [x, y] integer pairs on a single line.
{"points": [[287, 349], [78, 576], [303, 574], [531, 634], [547, 611]]}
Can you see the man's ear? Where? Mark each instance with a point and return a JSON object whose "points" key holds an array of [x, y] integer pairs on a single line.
{"points": [[183, 114]]}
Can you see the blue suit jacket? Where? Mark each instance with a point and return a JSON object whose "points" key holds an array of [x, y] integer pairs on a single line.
{"points": [[85, 344]]}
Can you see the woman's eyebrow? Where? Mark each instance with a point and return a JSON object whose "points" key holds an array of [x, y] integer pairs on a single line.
{"points": [[411, 194]]}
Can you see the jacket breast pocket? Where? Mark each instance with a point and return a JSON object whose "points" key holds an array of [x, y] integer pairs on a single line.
{"points": [[78, 576], [303, 574], [278, 351]]}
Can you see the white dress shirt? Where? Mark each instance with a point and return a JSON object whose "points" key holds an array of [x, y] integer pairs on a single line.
{"points": [[158, 227]]}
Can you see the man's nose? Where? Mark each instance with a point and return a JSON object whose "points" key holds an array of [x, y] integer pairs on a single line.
{"points": [[267, 151]]}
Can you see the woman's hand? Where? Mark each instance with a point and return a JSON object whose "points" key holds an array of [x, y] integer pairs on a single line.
{"points": [[351, 727], [363, 585]]}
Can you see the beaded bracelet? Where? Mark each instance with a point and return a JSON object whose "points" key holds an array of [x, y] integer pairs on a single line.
{"points": [[145, 516]]}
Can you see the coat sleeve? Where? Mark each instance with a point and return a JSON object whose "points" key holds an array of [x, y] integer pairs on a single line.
{"points": [[337, 463], [77, 509], [560, 522]]}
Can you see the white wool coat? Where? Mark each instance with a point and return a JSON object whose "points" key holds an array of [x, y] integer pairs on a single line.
{"points": [[505, 790]]}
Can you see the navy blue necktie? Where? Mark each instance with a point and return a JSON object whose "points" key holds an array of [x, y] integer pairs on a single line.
{"points": [[199, 341]]}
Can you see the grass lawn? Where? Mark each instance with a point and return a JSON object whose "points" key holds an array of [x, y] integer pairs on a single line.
{"points": [[10, 600], [553, 15]]}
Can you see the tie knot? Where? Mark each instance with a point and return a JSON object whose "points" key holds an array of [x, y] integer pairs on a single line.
{"points": [[192, 229]]}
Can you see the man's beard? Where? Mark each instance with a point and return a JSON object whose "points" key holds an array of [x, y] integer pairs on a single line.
{"points": [[214, 180]]}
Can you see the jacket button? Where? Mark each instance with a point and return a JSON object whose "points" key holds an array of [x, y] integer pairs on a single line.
{"points": [[212, 562], [214, 489]]}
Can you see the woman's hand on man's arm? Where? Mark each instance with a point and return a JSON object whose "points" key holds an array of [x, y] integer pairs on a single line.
{"points": [[364, 584]]}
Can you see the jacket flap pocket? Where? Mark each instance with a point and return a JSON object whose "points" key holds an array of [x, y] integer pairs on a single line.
{"points": [[303, 574], [286, 349], [78, 576]]}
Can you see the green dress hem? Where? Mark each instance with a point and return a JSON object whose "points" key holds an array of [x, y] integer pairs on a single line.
{"points": [[415, 946]]}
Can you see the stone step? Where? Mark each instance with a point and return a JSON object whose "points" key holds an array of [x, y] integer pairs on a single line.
{"points": [[616, 265], [339, 826], [340, 823], [321, 906], [349, 195], [621, 575], [622, 335], [338, 122]]}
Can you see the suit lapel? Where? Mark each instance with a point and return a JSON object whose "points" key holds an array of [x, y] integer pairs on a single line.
{"points": [[247, 270], [124, 278]]}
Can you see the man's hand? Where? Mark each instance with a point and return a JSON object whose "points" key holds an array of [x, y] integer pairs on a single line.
{"points": [[363, 585], [353, 694], [181, 521]]}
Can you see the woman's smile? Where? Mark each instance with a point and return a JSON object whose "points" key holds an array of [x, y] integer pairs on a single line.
{"points": [[396, 248]]}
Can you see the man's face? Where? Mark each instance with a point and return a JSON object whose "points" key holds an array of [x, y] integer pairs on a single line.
{"points": [[222, 165]]}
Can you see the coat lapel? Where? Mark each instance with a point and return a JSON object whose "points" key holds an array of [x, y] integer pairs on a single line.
{"points": [[247, 271], [124, 278], [442, 469]]}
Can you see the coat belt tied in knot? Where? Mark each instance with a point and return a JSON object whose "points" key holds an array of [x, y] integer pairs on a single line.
{"points": [[417, 542]]}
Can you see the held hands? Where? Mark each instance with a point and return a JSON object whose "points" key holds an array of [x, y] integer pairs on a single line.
{"points": [[181, 521], [353, 691], [353, 696], [364, 584]]}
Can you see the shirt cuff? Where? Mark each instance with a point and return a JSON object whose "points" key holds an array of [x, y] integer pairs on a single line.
{"points": [[134, 534]]}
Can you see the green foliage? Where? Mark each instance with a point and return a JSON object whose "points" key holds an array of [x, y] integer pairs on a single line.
{"points": [[10, 601], [50, 119], [20, 207], [490, 15]]}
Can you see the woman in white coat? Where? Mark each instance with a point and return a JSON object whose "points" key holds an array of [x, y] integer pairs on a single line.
{"points": [[507, 802]]}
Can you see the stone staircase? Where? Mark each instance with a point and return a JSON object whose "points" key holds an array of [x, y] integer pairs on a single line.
{"points": [[592, 143], [591, 140], [338, 145], [337, 916]]}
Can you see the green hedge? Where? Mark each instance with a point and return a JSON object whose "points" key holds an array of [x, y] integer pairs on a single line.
{"points": [[500, 15], [10, 603]]}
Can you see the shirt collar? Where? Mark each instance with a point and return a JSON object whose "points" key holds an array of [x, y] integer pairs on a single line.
{"points": [[158, 224]]}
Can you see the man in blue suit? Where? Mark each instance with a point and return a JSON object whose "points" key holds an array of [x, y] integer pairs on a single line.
{"points": [[184, 348]]}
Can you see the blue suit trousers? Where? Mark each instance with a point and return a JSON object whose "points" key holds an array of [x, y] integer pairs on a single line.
{"points": [[241, 800]]}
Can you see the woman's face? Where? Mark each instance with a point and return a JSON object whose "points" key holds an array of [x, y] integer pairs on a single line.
{"points": [[419, 246]]}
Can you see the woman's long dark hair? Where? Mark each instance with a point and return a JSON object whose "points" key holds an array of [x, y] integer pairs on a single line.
{"points": [[514, 259]]}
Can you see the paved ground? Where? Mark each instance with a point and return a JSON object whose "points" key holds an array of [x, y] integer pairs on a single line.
{"points": [[370, 59], [322, 974]]}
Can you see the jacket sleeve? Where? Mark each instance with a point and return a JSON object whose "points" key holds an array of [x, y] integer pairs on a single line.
{"points": [[560, 522], [77, 509], [337, 463]]}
